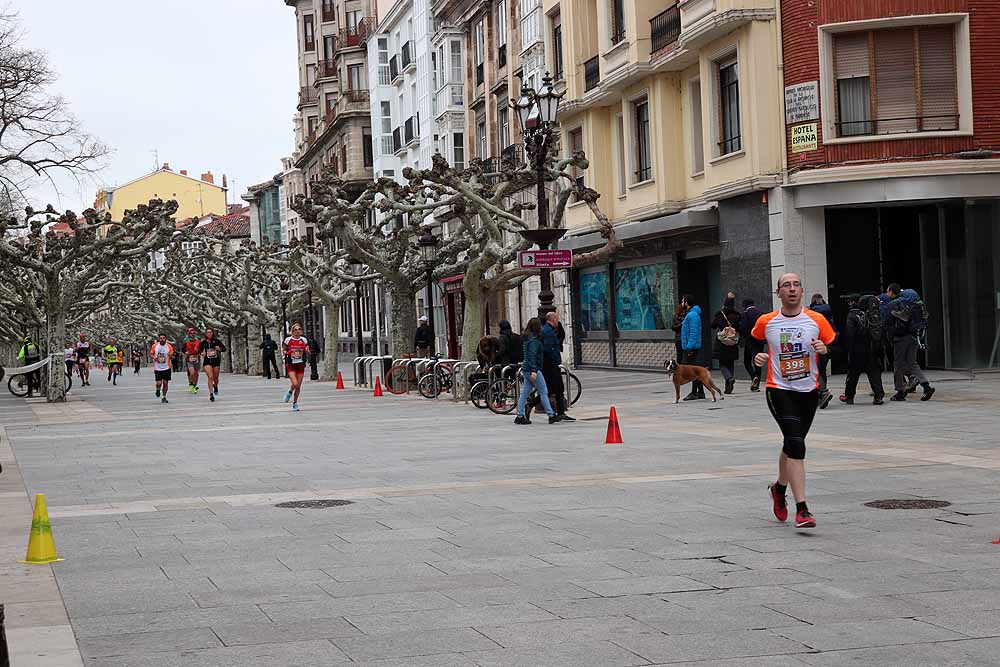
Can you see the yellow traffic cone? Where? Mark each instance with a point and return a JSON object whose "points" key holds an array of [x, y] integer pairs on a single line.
{"points": [[41, 546]]}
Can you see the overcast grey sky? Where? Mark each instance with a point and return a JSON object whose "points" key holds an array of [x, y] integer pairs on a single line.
{"points": [[210, 84]]}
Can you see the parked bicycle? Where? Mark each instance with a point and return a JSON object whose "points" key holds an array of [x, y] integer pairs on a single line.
{"points": [[438, 380], [23, 385]]}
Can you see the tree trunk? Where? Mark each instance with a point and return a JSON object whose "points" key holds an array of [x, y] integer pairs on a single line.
{"points": [[55, 340], [472, 323], [253, 348], [403, 311], [331, 330], [239, 338]]}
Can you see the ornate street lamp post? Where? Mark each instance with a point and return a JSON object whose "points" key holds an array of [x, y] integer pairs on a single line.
{"points": [[428, 244], [537, 112]]}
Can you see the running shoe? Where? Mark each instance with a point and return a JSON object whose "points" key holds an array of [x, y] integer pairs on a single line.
{"points": [[779, 504], [824, 402], [804, 519], [216, 390], [295, 407], [288, 396], [157, 393], [164, 400], [196, 389], [755, 384], [211, 397], [521, 420], [928, 393], [898, 396]]}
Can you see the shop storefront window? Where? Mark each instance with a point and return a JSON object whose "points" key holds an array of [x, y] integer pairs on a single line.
{"points": [[644, 296], [594, 301]]}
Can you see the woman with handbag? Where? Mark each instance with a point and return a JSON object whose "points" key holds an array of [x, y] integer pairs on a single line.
{"points": [[727, 340]]}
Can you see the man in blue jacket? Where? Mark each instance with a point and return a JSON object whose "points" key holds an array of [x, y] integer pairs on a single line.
{"points": [[691, 343]]}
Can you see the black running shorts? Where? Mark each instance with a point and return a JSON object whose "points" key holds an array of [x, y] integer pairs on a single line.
{"points": [[794, 412]]}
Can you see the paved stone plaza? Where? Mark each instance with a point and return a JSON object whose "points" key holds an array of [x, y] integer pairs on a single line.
{"points": [[472, 541]]}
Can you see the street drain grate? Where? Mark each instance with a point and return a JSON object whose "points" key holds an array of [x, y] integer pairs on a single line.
{"points": [[912, 504], [322, 504]]}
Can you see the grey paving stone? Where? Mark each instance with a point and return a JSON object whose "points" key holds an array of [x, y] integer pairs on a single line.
{"points": [[642, 585], [500, 564], [462, 617], [274, 633], [711, 646], [288, 654], [438, 660], [477, 597], [149, 642], [289, 592], [961, 601], [90, 605], [95, 626], [385, 571], [626, 605], [971, 624], [441, 583], [405, 644], [290, 612], [591, 653], [967, 653], [676, 620], [855, 609], [544, 633], [864, 634]]}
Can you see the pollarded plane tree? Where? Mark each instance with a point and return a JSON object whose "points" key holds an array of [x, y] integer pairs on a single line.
{"points": [[379, 229], [69, 266], [324, 273]]}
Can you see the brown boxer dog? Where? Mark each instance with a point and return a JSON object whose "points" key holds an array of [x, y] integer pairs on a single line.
{"points": [[682, 374]]}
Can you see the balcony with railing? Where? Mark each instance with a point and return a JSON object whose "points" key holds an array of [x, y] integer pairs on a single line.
{"points": [[367, 28], [514, 154], [406, 59], [307, 95], [591, 73], [665, 28], [355, 35], [397, 141], [394, 72], [327, 69], [353, 101], [411, 131], [449, 97]]}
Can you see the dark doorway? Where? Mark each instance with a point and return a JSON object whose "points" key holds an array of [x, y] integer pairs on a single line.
{"points": [[699, 277]]}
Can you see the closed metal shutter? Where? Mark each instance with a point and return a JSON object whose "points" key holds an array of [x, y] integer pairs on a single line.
{"points": [[938, 81], [895, 84]]}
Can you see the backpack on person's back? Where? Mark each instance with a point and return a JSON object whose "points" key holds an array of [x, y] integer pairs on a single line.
{"points": [[873, 324]]}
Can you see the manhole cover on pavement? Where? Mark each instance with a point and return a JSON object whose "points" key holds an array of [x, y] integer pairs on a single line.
{"points": [[912, 504], [314, 504]]}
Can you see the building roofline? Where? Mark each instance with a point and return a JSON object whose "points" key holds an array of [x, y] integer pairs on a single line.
{"points": [[169, 171]]}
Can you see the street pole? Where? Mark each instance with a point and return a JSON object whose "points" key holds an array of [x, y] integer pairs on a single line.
{"points": [[430, 304], [545, 295], [357, 318], [284, 320]]}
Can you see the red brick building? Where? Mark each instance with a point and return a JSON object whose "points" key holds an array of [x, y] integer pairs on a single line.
{"points": [[892, 111]]}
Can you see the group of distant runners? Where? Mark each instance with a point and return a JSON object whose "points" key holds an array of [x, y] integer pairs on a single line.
{"points": [[204, 353]]}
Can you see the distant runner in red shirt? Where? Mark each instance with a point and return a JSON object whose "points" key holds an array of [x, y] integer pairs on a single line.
{"points": [[795, 338], [296, 350], [191, 349]]}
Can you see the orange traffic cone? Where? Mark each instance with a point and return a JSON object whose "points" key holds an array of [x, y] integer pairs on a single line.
{"points": [[340, 380], [41, 546], [614, 432], [378, 387], [996, 541]]}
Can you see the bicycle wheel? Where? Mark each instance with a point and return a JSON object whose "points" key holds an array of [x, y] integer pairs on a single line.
{"points": [[574, 390], [444, 379], [478, 394], [397, 380], [18, 385], [69, 381], [428, 386], [501, 397]]}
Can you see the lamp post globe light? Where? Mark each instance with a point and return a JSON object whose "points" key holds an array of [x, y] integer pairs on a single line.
{"points": [[428, 245], [538, 113]]}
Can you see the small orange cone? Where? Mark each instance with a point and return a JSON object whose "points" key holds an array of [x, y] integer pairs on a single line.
{"points": [[614, 432], [340, 380], [41, 546], [996, 541], [378, 387]]}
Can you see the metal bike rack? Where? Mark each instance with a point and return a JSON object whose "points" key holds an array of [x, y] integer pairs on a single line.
{"points": [[370, 363], [434, 376], [461, 385]]}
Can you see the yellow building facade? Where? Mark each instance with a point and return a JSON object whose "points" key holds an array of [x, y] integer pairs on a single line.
{"points": [[195, 196], [678, 106]]}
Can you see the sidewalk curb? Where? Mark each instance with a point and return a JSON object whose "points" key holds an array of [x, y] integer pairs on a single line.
{"points": [[33, 639]]}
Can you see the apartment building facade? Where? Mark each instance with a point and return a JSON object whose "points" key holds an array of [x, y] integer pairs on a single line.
{"points": [[893, 132], [267, 205], [333, 126], [678, 106]]}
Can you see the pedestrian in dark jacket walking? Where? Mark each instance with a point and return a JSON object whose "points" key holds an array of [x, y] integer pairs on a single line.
{"points": [[680, 312], [726, 324], [751, 346], [422, 338], [511, 345], [552, 343], [819, 305], [862, 352], [269, 351], [531, 372], [691, 343]]}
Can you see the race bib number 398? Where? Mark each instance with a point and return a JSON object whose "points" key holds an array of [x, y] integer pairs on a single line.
{"points": [[793, 367]]}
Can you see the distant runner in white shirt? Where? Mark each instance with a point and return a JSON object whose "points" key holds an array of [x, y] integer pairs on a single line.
{"points": [[161, 353]]}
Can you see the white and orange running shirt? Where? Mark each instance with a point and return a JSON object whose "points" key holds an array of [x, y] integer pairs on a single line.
{"points": [[792, 361]]}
